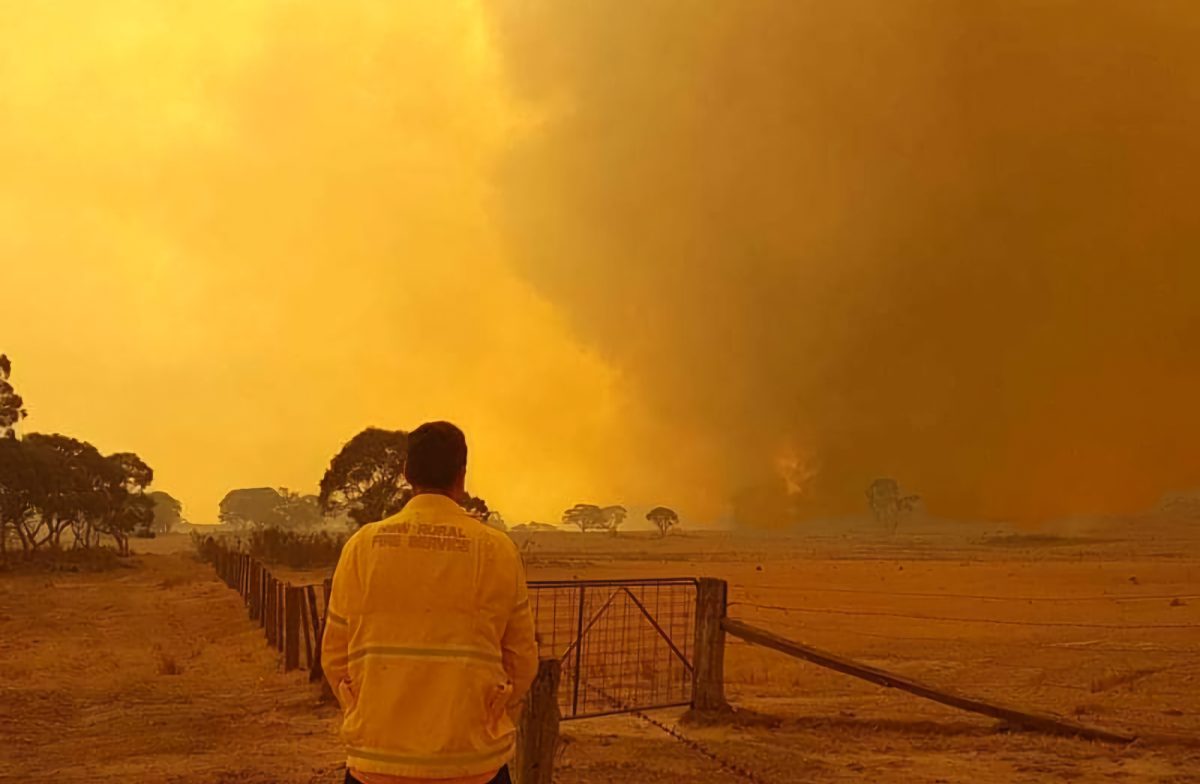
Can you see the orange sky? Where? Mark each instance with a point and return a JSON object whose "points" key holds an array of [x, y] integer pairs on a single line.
{"points": [[640, 257]]}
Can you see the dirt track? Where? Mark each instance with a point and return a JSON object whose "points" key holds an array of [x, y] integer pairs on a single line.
{"points": [[1089, 630]]}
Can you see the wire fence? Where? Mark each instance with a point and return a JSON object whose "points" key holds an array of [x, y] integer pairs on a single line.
{"points": [[292, 617], [623, 645]]}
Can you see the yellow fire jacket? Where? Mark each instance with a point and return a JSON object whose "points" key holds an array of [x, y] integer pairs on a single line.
{"points": [[429, 641]]}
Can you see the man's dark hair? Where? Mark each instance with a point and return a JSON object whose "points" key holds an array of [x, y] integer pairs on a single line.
{"points": [[437, 455]]}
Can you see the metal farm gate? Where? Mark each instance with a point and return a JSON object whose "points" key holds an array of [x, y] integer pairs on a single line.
{"points": [[623, 645]]}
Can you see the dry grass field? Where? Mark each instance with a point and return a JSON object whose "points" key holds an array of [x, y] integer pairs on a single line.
{"points": [[153, 673]]}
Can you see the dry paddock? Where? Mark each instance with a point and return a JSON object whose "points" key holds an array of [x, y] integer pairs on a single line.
{"points": [[153, 673]]}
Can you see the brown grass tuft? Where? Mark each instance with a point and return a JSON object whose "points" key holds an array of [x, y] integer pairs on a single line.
{"points": [[168, 664]]}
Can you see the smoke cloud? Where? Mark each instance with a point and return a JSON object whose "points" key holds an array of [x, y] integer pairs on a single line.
{"points": [[952, 243], [644, 252]]}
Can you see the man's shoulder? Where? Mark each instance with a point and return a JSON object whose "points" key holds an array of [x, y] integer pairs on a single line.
{"points": [[491, 532], [357, 536], [500, 542]]}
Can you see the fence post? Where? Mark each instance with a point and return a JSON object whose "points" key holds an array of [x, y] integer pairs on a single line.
{"points": [[264, 582], [708, 673], [537, 728], [317, 673], [305, 626], [291, 628], [266, 605], [252, 592], [272, 617], [244, 571], [314, 664], [279, 617]]}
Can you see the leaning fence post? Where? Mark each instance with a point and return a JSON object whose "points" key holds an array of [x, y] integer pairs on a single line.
{"points": [[708, 673], [305, 626], [291, 628], [272, 617], [253, 594], [314, 664], [264, 582], [319, 621], [279, 590], [244, 578], [537, 729]]}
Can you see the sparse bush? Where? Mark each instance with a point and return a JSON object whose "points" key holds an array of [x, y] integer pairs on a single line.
{"points": [[168, 664]]}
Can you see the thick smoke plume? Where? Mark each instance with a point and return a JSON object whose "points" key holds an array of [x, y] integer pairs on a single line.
{"points": [[955, 243]]}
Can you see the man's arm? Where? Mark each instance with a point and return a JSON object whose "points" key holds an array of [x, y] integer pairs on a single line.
{"points": [[335, 645], [519, 644]]}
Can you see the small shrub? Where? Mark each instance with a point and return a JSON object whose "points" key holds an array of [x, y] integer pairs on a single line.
{"points": [[295, 549], [98, 559], [167, 664]]}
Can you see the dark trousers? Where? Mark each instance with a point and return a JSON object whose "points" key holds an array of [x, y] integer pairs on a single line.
{"points": [[501, 777]]}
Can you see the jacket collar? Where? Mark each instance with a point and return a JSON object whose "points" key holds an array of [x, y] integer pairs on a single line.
{"points": [[433, 502]]}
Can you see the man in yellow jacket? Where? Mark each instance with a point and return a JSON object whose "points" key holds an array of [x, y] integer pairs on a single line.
{"points": [[429, 643]]}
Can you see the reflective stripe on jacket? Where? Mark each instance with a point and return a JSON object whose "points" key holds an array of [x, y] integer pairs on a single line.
{"points": [[429, 641]]}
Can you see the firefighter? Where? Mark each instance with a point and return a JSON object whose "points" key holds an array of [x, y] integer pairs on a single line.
{"points": [[429, 644]]}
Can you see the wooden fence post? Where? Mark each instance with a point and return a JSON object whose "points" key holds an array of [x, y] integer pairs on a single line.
{"points": [[291, 628], [537, 729], [318, 670], [314, 665], [266, 605], [305, 625], [708, 672], [243, 583], [271, 616], [279, 617], [264, 582], [252, 594]]}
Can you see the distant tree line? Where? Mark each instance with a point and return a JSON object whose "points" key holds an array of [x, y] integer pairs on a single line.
{"points": [[60, 492], [591, 517], [364, 483]]}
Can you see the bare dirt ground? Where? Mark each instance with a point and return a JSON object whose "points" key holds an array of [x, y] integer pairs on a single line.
{"points": [[1096, 626], [149, 674]]}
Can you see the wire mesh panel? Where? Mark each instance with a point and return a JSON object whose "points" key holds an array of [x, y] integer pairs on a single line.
{"points": [[624, 644]]}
